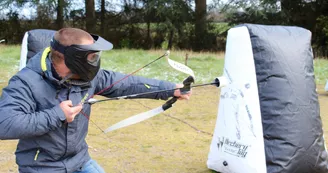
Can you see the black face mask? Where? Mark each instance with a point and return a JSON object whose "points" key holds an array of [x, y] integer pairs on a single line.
{"points": [[83, 60], [86, 64]]}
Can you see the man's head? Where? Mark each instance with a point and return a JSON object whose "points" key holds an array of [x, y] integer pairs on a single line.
{"points": [[76, 52]]}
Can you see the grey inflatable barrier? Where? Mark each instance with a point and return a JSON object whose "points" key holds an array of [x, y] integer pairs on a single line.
{"points": [[284, 104], [292, 126], [33, 42]]}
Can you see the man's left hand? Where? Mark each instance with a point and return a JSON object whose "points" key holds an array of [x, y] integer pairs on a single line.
{"points": [[181, 96]]}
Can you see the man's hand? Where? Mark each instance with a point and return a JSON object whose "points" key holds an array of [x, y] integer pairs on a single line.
{"points": [[181, 96], [69, 110]]}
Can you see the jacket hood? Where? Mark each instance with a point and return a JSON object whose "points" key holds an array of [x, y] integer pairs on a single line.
{"points": [[41, 64]]}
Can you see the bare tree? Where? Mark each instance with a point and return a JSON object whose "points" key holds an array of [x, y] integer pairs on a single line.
{"points": [[90, 15], [102, 17], [200, 23], [60, 14]]}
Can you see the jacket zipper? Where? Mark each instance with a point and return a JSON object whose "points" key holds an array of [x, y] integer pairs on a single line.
{"points": [[68, 91], [66, 131], [36, 154]]}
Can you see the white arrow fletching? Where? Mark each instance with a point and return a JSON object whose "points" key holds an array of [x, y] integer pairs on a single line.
{"points": [[135, 119]]}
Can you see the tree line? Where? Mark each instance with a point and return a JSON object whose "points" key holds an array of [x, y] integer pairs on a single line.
{"points": [[168, 24]]}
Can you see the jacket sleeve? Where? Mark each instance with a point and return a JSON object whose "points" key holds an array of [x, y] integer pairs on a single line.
{"points": [[18, 118], [131, 85]]}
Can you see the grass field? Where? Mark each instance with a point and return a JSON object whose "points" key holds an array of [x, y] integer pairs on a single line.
{"points": [[174, 142]]}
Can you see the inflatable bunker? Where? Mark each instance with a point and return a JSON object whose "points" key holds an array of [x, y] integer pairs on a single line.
{"points": [[33, 42], [268, 118]]}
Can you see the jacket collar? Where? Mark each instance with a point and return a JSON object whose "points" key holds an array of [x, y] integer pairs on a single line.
{"points": [[43, 65]]}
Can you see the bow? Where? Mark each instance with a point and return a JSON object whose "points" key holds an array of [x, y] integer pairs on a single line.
{"points": [[167, 105], [151, 113]]}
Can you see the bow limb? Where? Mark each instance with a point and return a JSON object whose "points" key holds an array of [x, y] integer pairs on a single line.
{"points": [[142, 116], [180, 67], [146, 115]]}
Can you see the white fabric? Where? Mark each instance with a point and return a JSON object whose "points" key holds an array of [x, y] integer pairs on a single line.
{"points": [[237, 145], [23, 55], [326, 87]]}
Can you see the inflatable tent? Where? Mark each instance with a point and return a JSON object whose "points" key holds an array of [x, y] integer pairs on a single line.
{"points": [[33, 42], [268, 118]]}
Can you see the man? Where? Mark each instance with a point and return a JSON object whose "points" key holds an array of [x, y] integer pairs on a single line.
{"points": [[42, 104]]}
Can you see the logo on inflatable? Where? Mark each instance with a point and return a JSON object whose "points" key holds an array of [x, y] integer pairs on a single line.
{"points": [[233, 147]]}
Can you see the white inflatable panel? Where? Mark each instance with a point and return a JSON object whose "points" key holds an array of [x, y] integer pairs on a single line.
{"points": [[23, 55], [237, 145]]}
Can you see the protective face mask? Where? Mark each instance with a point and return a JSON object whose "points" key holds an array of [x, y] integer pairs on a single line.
{"points": [[83, 60]]}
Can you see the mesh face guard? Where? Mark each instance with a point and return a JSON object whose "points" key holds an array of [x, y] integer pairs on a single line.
{"points": [[83, 60]]}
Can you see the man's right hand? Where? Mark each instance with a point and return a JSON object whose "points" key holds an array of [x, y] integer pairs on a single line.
{"points": [[69, 110]]}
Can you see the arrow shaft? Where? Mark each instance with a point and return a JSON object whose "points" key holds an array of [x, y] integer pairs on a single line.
{"points": [[145, 93]]}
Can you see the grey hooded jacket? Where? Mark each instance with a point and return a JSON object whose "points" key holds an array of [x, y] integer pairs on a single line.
{"points": [[30, 112]]}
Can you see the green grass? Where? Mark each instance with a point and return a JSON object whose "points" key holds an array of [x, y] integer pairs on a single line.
{"points": [[321, 70], [9, 62], [206, 66]]}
